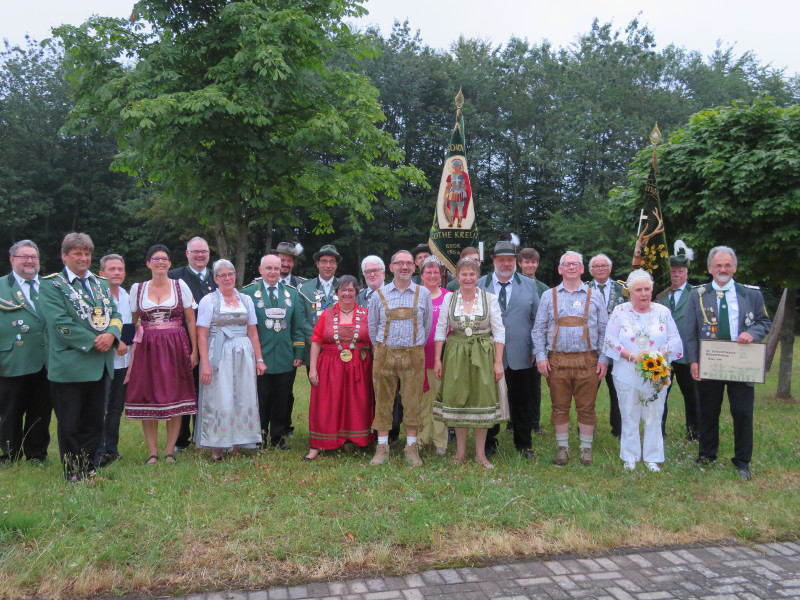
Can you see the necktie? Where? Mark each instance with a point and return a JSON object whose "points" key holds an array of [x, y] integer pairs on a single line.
{"points": [[34, 296], [272, 297], [724, 321], [502, 297], [87, 288], [672, 301], [602, 287], [200, 275]]}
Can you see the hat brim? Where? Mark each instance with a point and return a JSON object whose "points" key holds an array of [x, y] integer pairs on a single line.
{"points": [[318, 255]]}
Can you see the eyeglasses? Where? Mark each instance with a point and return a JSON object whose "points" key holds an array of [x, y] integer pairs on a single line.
{"points": [[401, 263], [199, 251], [26, 257], [728, 266], [572, 265], [373, 271], [600, 267], [159, 259], [225, 275]]}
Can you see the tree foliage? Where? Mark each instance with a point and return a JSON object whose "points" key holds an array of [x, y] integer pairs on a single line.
{"points": [[237, 112], [732, 177]]}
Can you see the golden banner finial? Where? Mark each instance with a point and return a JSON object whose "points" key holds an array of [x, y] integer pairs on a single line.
{"points": [[655, 135], [459, 99]]}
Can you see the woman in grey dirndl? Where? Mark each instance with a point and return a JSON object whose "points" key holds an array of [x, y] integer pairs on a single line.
{"points": [[230, 359], [472, 394]]}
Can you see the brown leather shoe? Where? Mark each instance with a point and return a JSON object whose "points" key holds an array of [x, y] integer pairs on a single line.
{"points": [[381, 454], [412, 455], [586, 456], [562, 456]]}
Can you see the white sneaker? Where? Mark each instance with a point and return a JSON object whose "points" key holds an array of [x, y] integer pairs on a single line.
{"points": [[653, 467], [629, 466]]}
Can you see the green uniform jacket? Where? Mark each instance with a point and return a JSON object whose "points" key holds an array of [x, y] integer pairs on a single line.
{"points": [[541, 286], [279, 349], [615, 297], [679, 314], [314, 302], [72, 355], [23, 332]]}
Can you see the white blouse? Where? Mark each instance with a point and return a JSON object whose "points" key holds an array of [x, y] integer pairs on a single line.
{"points": [[495, 316], [635, 332], [186, 296]]}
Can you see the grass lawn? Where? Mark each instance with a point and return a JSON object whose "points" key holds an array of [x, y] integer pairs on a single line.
{"points": [[257, 520]]}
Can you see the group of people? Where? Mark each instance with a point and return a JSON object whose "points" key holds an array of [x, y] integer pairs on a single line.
{"points": [[431, 351]]}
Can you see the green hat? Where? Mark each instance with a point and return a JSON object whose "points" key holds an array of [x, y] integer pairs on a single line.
{"points": [[503, 248], [289, 248], [683, 255], [328, 250]]}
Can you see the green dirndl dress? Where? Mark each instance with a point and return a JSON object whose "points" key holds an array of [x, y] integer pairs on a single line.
{"points": [[469, 396]]}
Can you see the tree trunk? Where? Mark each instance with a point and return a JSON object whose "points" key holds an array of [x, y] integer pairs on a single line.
{"points": [[268, 236], [787, 345], [242, 230], [222, 240]]}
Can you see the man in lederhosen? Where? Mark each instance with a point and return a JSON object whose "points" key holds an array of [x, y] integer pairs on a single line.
{"points": [[567, 339], [400, 319]]}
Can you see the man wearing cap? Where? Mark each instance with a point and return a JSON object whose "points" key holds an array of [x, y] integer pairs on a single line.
{"points": [[400, 319], [281, 331], [83, 329], [518, 301], [567, 337], [25, 405], [374, 271], [288, 252], [420, 252], [318, 293], [676, 298], [200, 280], [724, 310], [600, 269]]}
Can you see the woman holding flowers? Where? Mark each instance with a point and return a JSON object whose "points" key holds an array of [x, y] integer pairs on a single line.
{"points": [[642, 339]]}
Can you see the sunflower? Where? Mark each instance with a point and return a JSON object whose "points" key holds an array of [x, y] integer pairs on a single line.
{"points": [[660, 361], [649, 364]]}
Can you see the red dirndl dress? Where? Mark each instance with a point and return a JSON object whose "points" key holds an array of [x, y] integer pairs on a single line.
{"points": [[343, 404]]}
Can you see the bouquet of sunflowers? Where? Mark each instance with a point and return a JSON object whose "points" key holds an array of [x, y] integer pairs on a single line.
{"points": [[655, 370]]}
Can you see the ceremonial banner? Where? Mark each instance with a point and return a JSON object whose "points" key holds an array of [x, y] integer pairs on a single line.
{"points": [[454, 226], [650, 252]]}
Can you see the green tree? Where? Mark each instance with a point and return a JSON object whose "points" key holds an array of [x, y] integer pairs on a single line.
{"points": [[239, 111], [732, 177], [51, 183]]}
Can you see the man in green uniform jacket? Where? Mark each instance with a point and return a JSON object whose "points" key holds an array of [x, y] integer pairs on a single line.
{"points": [[83, 327], [281, 331], [24, 389]]}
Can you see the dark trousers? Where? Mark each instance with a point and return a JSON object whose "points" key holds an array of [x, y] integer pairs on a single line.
{"points": [[691, 405], [25, 409], [520, 403], [615, 418], [273, 403], [79, 410], [536, 395], [188, 422], [290, 406], [741, 398], [114, 405]]}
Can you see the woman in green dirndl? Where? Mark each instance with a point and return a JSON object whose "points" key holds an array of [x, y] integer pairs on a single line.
{"points": [[473, 389]]}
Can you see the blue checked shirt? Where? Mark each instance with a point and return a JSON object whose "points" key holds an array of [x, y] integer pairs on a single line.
{"points": [[400, 332], [570, 339]]}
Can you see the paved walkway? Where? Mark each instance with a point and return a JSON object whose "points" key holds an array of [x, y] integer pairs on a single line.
{"points": [[765, 571]]}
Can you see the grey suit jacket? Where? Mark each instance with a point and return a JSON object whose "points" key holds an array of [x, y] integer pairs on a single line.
{"points": [[679, 314], [518, 318], [753, 317]]}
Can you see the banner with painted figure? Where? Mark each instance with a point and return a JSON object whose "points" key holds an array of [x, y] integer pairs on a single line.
{"points": [[454, 227]]}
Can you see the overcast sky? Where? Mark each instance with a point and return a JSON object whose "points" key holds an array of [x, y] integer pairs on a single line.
{"points": [[767, 27]]}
